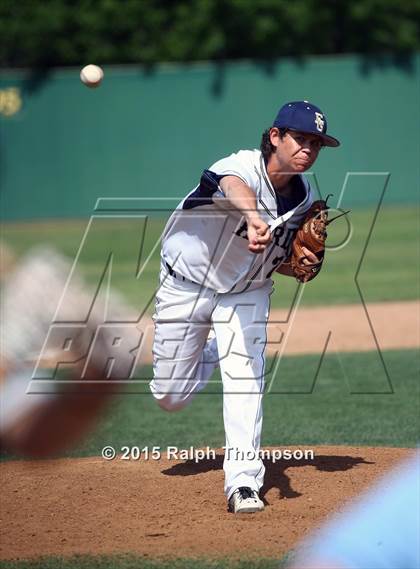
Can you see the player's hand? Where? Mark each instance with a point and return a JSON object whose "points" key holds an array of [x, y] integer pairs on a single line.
{"points": [[259, 235], [310, 258]]}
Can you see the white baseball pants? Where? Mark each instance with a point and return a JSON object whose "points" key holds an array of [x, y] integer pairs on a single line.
{"points": [[185, 358]]}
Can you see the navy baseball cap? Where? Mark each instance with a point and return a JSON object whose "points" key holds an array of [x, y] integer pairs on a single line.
{"points": [[305, 117]]}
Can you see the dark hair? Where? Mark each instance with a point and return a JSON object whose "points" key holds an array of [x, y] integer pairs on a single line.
{"points": [[266, 147]]}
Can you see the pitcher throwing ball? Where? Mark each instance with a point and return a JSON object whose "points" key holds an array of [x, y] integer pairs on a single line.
{"points": [[248, 217]]}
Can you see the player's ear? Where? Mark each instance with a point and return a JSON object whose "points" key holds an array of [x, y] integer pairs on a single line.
{"points": [[275, 136]]}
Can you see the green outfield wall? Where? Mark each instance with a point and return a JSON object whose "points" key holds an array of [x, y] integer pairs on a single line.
{"points": [[150, 132]]}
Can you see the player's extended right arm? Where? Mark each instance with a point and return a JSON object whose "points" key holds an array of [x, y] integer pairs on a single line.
{"points": [[243, 198]]}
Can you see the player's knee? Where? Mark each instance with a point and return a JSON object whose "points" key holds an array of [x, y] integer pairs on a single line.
{"points": [[168, 401]]}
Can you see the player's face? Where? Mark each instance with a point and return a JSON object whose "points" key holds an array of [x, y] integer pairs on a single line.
{"points": [[296, 151]]}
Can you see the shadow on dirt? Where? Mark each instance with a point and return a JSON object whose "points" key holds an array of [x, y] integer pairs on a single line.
{"points": [[275, 473]]}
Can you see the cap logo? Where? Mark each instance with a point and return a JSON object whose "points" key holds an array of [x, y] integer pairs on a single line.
{"points": [[319, 121]]}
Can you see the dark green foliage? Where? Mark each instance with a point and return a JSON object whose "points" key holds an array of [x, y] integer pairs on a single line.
{"points": [[60, 32]]}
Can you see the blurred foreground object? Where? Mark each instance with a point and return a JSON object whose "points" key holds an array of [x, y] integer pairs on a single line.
{"points": [[42, 296], [380, 531]]}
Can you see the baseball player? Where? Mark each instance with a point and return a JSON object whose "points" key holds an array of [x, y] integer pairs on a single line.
{"points": [[219, 249]]}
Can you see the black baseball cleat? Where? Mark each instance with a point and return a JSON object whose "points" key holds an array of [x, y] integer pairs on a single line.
{"points": [[245, 501]]}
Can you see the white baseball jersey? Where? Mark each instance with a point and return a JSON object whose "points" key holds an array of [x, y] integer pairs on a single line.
{"points": [[205, 239]]}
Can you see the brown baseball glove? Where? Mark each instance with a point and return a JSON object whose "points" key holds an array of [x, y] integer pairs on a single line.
{"points": [[308, 246]]}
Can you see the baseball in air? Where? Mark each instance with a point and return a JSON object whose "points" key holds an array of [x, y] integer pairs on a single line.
{"points": [[91, 75]]}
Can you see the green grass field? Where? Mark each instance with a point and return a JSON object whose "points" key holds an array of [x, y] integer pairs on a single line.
{"points": [[331, 414], [388, 271], [328, 415], [132, 562]]}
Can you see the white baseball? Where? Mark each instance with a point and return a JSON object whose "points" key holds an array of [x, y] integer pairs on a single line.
{"points": [[92, 75]]}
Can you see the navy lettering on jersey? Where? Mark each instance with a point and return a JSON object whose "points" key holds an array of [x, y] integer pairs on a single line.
{"points": [[282, 237], [242, 231], [277, 234], [202, 195], [275, 262]]}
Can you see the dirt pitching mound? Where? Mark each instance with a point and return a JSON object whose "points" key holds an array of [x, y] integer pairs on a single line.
{"points": [[174, 507]]}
